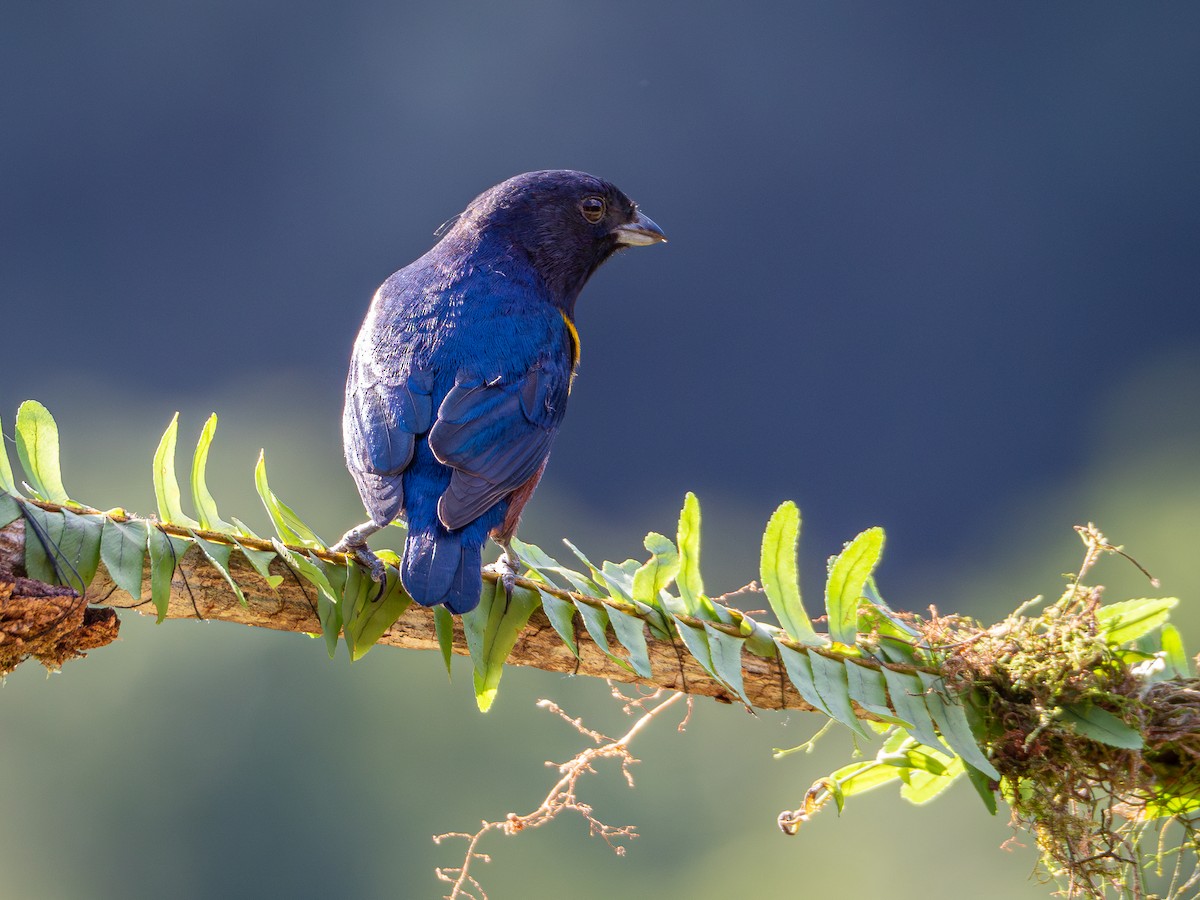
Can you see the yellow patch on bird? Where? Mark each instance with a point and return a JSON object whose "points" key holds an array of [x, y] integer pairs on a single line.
{"points": [[571, 330]]}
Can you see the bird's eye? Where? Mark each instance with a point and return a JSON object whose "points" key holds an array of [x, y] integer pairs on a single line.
{"points": [[593, 208]]}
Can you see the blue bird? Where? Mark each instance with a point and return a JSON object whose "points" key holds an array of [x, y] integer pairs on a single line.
{"points": [[460, 375]]}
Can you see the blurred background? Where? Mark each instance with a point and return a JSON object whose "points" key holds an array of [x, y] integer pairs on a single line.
{"points": [[931, 267]]}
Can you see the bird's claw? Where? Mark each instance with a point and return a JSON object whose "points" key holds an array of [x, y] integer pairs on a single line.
{"points": [[506, 568], [363, 556]]}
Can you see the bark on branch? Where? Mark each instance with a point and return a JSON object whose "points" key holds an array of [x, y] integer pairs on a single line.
{"points": [[199, 592]]}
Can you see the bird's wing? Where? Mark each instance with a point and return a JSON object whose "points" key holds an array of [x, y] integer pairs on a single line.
{"points": [[496, 436], [383, 414]]}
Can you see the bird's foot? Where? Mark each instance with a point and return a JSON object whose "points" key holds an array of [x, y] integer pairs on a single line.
{"points": [[507, 567], [363, 556], [354, 542]]}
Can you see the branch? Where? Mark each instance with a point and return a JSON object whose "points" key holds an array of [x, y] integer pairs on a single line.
{"points": [[198, 591]]}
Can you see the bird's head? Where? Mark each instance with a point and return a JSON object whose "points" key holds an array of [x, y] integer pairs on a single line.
{"points": [[566, 222]]}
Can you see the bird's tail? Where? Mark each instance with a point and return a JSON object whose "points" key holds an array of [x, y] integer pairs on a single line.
{"points": [[441, 566]]}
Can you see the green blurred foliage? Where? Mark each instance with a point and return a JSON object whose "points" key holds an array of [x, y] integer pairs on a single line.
{"points": [[194, 760]]}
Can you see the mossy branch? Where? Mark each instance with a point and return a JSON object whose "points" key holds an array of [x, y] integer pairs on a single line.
{"points": [[199, 591]]}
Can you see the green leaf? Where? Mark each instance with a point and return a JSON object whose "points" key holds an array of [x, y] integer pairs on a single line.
{"points": [[1130, 619], [983, 787], [369, 609], [61, 547], [43, 534], [166, 485], [37, 448], [492, 629], [847, 576], [289, 526], [7, 484], [907, 696], [376, 609], [688, 579], [260, 561], [1100, 725], [1172, 644], [328, 596], [858, 778], [543, 564], [631, 632], [799, 670], [561, 614], [832, 684], [166, 550], [595, 620], [868, 691], [656, 575], [696, 641], [781, 576], [123, 551], [443, 624], [206, 506], [619, 578], [217, 553], [923, 786], [951, 721], [81, 548], [727, 660], [10, 508]]}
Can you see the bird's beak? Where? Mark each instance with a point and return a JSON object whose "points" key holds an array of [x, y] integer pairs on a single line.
{"points": [[639, 233]]}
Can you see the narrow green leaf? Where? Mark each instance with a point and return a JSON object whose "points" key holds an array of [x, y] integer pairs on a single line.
{"points": [[983, 787], [1100, 725], [799, 671], [123, 551], [631, 632], [832, 684], [619, 578], [43, 536], [923, 786], [781, 576], [907, 696], [328, 596], [443, 624], [166, 485], [356, 595], [289, 526], [80, 549], [377, 608], [656, 575], [858, 778], [10, 508], [847, 576], [37, 448], [206, 506], [62, 547], [7, 484], [329, 609], [505, 618], [561, 614], [595, 620], [696, 641], [217, 553], [727, 660], [868, 691], [1131, 619], [951, 721], [166, 550], [1172, 644], [260, 561], [688, 579]]}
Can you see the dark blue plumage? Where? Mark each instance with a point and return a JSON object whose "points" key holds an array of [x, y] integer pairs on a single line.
{"points": [[460, 375]]}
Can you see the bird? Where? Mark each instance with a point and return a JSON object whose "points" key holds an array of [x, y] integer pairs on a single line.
{"points": [[460, 375]]}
